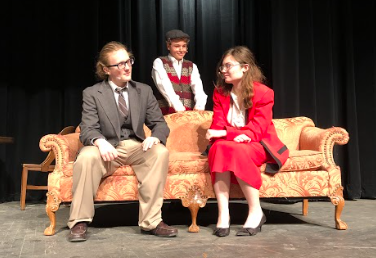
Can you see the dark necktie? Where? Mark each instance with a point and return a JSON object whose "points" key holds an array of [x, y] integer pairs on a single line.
{"points": [[122, 104]]}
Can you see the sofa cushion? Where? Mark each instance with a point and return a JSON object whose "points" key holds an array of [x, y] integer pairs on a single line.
{"points": [[194, 162], [301, 160], [187, 163]]}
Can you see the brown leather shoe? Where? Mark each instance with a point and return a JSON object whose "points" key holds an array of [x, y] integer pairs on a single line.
{"points": [[78, 232], [162, 230]]}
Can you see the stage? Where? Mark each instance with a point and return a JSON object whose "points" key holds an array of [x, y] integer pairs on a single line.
{"points": [[114, 232]]}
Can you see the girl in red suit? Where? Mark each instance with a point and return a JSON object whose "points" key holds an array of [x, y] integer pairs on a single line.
{"points": [[242, 136]]}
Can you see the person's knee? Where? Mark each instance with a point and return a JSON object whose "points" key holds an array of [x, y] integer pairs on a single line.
{"points": [[224, 146], [163, 150], [87, 158], [88, 154], [160, 159], [160, 151], [221, 144], [89, 161]]}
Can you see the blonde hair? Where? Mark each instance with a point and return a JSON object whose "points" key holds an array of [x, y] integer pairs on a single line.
{"points": [[244, 56], [103, 57]]}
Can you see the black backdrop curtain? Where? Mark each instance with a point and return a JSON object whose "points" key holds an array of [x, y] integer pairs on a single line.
{"points": [[318, 56]]}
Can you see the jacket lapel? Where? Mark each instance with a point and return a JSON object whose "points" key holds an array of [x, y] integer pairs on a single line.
{"points": [[108, 103], [134, 95], [226, 102]]}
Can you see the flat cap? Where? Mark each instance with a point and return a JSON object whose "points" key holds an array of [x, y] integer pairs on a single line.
{"points": [[175, 34]]}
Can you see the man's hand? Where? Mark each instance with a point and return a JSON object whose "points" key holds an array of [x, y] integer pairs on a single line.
{"points": [[149, 142], [108, 152], [212, 133], [242, 138]]}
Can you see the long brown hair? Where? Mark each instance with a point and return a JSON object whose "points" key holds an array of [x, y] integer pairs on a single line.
{"points": [[243, 55], [103, 57]]}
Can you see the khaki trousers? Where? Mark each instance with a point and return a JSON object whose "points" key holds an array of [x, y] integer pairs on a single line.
{"points": [[150, 167]]}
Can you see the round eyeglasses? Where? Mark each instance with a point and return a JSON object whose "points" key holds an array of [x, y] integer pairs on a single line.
{"points": [[122, 65], [226, 67]]}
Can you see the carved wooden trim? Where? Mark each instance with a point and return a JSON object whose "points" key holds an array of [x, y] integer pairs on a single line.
{"points": [[337, 199], [334, 135], [52, 206], [194, 199]]}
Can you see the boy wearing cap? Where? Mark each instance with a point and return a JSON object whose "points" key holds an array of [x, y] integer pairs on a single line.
{"points": [[178, 80]]}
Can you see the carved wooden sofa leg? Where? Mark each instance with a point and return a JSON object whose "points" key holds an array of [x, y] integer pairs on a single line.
{"points": [[193, 208], [194, 200], [339, 202], [52, 206]]}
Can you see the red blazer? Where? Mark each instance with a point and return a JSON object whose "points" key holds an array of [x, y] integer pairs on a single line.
{"points": [[259, 126]]}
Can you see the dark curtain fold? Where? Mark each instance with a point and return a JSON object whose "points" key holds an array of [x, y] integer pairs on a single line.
{"points": [[318, 56]]}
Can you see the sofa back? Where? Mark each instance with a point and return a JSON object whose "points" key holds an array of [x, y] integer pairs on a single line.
{"points": [[187, 131], [290, 129]]}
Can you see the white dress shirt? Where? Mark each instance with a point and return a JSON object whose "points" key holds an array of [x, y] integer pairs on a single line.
{"points": [[165, 87]]}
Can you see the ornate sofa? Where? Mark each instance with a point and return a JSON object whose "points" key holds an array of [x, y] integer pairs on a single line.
{"points": [[309, 172]]}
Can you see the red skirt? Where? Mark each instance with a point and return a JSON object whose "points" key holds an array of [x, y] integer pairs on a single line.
{"points": [[242, 159]]}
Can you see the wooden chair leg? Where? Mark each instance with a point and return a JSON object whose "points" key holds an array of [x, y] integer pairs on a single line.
{"points": [[24, 175], [339, 202], [52, 206], [305, 207]]}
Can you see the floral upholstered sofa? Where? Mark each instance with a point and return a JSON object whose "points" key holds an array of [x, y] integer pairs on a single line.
{"points": [[309, 172]]}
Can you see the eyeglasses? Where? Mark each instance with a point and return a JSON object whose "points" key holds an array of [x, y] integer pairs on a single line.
{"points": [[122, 65], [226, 67]]}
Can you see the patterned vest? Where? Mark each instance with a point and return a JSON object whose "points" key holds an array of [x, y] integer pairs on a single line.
{"points": [[126, 130], [181, 87]]}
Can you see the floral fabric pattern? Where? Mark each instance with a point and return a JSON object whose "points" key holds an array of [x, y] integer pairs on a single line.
{"points": [[310, 170]]}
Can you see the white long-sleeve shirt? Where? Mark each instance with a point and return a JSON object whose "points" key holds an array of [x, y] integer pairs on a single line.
{"points": [[165, 87]]}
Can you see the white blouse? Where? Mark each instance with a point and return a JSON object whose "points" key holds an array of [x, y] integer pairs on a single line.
{"points": [[236, 116]]}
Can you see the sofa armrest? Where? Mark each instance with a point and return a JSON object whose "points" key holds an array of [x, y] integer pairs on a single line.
{"points": [[323, 140], [64, 147]]}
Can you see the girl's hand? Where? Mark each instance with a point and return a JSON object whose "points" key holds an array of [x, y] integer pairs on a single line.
{"points": [[242, 138], [211, 133]]}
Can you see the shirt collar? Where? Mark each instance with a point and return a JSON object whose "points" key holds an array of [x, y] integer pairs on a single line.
{"points": [[114, 86], [174, 60]]}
